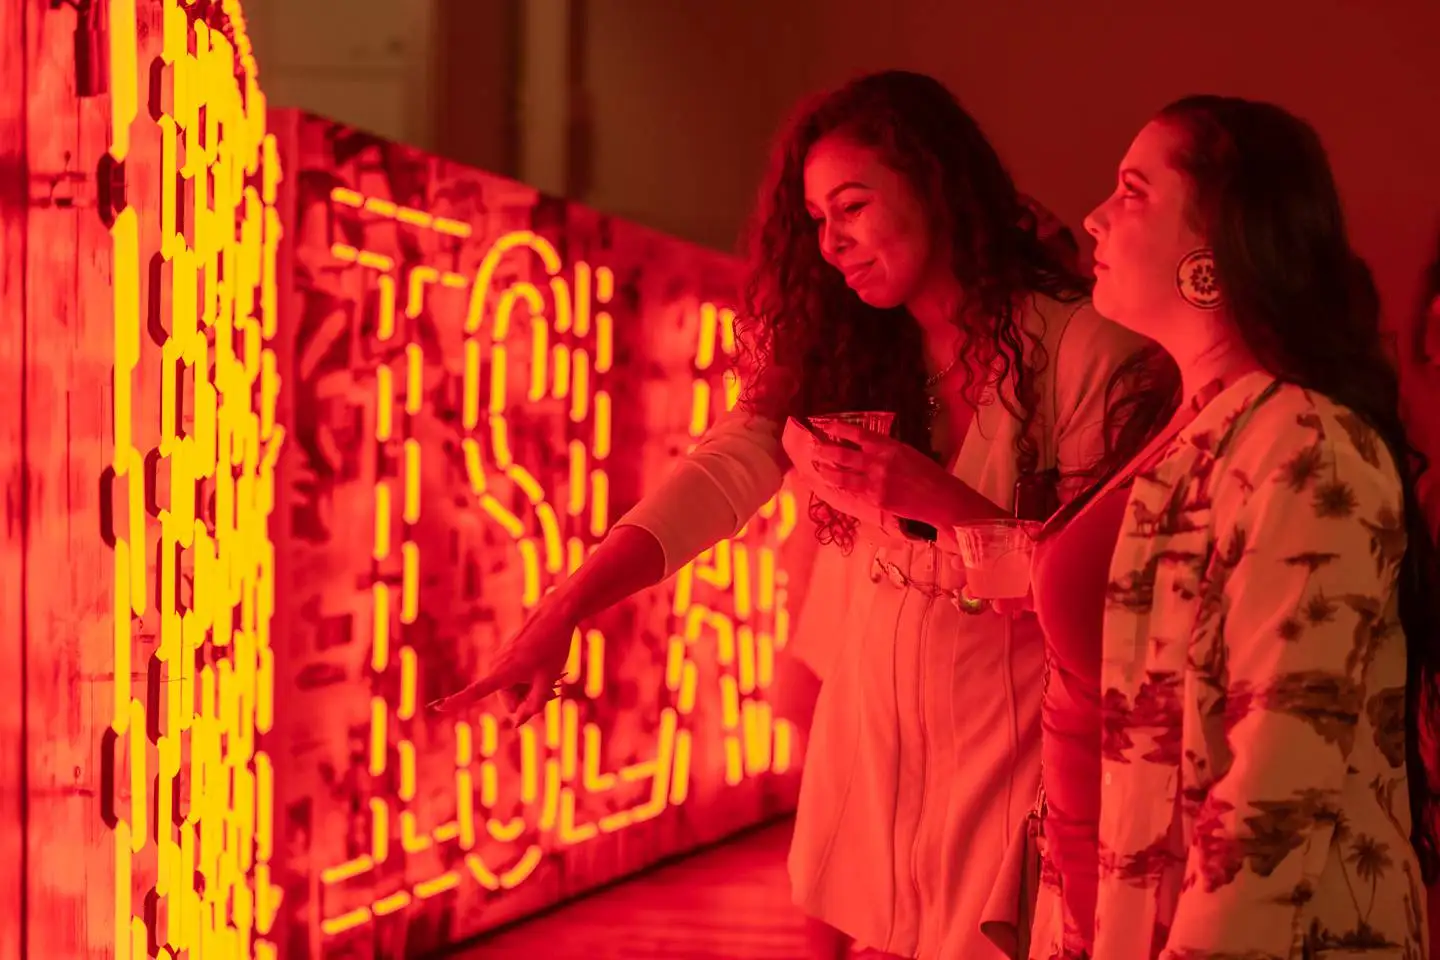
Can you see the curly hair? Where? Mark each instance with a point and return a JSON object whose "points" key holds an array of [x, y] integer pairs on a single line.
{"points": [[1307, 308], [810, 346], [1422, 341]]}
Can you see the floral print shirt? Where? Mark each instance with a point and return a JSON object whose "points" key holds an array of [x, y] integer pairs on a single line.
{"points": [[1254, 800]]}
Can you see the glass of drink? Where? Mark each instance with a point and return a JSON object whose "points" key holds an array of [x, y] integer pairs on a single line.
{"points": [[875, 421], [996, 554]]}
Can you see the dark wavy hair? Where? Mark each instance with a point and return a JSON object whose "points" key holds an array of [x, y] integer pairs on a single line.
{"points": [[1306, 305], [1429, 294], [810, 346]]}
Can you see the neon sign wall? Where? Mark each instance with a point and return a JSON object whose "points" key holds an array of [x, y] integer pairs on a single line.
{"points": [[191, 488], [362, 409], [479, 380], [486, 377]]}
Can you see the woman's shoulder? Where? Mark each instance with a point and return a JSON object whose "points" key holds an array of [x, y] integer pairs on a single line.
{"points": [[1061, 325], [1082, 349], [1299, 432]]}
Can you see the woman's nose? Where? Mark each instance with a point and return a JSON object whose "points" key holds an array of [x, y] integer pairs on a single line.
{"points": [[833, 241], [1093, 225]]}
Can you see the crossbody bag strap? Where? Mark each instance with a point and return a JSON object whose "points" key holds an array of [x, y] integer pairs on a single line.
{"points": [[1049, 472]]}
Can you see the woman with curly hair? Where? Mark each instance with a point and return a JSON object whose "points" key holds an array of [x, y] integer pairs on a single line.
{"points": [[1426, 335], [1243, 769], [1421, 385], [894, 268]]}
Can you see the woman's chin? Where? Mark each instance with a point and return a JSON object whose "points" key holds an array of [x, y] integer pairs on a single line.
{"points": [[1132, 320], [879, 299], [1101, 305], [1105, 304]]}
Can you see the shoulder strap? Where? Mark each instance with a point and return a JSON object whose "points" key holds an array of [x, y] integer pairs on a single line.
{"points": [[1038, 496], [1238, 424], [1049, 453]]}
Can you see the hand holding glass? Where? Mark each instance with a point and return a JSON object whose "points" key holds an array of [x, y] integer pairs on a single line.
{"points": [[997, 555], [875, 421]]}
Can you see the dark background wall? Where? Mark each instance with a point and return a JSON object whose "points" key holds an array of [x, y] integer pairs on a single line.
{"points": [[662, 112]]}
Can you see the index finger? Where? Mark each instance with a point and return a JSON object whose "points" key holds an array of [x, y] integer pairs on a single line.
{"points": [[850, 433], [850, 459], [486, 686], [804, 426]]}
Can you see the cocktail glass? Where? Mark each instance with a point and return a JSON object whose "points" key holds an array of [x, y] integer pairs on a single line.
{"points": [[997, 555], [875, 421]]}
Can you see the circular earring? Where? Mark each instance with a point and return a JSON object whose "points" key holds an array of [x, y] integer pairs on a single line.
{"points": [[1195, 279]]}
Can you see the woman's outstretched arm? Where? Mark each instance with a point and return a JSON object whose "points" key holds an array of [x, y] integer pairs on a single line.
{"points": [[709, 497]]}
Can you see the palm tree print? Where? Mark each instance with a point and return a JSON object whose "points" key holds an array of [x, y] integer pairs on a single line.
{"points": [[1370, 633], [1208, 661], [1115, 739], [1365, 440], [1328, 702], [1136, 590], [1319, 609], [1193, 954], [1143, 868], [1371, 859], [1304, 468], [1196, 788], [1414, 914], [1386, 789], [1174, 517], [1334, 499], [1266, 766], [1388, 538], [1290, 629], [1224, 560], [1274, 831], [1157, 711], [1311, 560], [1386, 711], [1243, 481], [1299, 895]]}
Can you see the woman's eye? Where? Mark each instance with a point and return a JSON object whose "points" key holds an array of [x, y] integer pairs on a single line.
{"points": [[850, 209]]}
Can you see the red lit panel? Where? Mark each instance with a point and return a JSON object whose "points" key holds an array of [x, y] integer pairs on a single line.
{"points": [[195, 445], [482, 379], [358, 410]]}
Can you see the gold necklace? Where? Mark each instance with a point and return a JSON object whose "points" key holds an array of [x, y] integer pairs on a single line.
{"points": [[934, 380]]}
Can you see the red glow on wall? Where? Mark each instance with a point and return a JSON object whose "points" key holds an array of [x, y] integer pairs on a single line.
{"points": [[360, 410], [459, 372], [191, 486]]}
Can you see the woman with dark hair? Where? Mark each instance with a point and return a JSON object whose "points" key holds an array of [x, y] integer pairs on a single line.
{"points": [[1257, 673], [1054, 233], [1426, 334], [1420, 385], [893, 268]]}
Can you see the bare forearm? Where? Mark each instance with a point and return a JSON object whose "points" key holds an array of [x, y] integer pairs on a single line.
{"points": [[628, 561], [956, 502]]}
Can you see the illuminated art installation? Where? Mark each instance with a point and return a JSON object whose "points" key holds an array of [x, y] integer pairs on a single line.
{"points": [[361, 409], [478, 379]]}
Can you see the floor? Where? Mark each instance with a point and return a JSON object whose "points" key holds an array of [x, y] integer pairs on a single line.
{"points": [[731, 902]]}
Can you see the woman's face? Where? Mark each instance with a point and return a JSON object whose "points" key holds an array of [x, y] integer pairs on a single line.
{"points": [[1142, 233], [870, 223]]}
